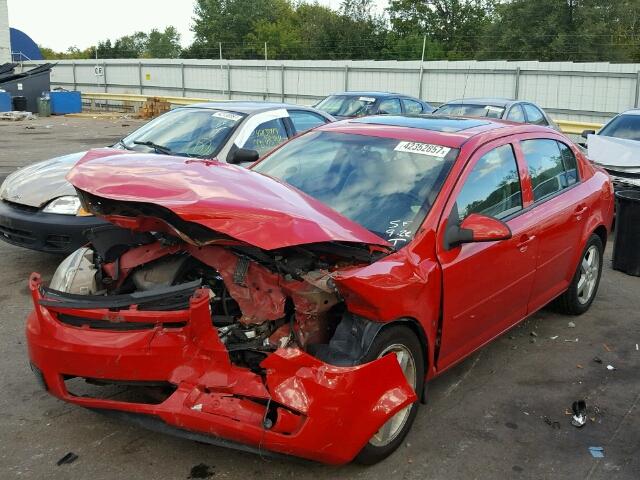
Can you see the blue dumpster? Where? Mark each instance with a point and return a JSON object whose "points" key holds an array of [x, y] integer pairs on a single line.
{"points": [[5, 102], [65, 102]]}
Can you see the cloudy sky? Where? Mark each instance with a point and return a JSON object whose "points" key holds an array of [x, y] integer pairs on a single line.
{"points": [[82, 23]]}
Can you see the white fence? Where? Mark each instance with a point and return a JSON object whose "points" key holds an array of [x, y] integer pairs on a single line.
{"points": [[590, 92]]}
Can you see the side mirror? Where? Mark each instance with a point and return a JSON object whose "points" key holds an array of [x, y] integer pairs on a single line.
{"points": [[243, 155], [586, 133], [476, 228]]}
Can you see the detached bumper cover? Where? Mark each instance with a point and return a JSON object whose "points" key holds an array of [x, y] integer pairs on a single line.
{"points": [[301, 406], [48, 232]]}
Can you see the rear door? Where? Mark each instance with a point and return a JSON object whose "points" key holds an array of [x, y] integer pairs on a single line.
{"points": [[303, 120], [486, 285], [561, 211]]}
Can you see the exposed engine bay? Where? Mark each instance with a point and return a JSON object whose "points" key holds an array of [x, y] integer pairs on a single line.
{"points": [[259, 300]]}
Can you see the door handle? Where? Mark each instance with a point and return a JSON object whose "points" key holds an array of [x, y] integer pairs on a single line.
{"points": [[524, 241], [581, 210]]}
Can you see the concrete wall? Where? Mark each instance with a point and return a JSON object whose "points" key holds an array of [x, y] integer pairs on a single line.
{"points": [[590, 92], [5, 44]]}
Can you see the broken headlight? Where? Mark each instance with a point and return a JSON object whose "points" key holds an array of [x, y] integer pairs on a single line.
{"points": [[67, 205]]}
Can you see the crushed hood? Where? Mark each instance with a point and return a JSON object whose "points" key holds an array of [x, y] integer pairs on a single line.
{"points": [[228, 199], [38, 184], [614, 153]]}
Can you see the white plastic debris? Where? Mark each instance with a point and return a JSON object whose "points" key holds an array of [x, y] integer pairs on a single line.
{"points": [[571, 325], [610, 367], [554, 337]]}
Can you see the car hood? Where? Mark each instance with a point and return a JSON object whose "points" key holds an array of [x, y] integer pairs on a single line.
{"points": [[227, 199], [617, 154], [37, 184]]}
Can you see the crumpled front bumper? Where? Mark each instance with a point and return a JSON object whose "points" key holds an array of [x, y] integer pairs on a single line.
{"points": [[300, 406]]}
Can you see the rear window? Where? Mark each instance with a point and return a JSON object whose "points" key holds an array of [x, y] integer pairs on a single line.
{"points": [[347, 105], [552, 166], [468, 110]]}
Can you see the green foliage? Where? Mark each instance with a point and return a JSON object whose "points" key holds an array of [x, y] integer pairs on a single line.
{"points": [[551, 30]]}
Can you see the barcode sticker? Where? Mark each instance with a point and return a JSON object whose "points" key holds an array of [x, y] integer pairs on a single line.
{"points": [[234, 117], [423, 149]]}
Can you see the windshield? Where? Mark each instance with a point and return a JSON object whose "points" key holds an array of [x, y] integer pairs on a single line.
{"points": [[346, 105], [384, 184], [623, 126], [189, 132], [467, 110]]}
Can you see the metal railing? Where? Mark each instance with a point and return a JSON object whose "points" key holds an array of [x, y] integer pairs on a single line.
{"points": [[567, 126]]}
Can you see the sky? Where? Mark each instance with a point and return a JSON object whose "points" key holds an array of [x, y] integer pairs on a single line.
{"points": [[82, 23]]}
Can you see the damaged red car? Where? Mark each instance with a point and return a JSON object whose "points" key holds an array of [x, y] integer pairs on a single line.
{"points": [[300, 306]]}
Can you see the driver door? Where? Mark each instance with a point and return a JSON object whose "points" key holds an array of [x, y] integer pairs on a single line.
{"points": [[486, 285]]}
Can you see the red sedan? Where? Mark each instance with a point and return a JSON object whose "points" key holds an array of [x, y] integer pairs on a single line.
{"points": [[299, 307]]}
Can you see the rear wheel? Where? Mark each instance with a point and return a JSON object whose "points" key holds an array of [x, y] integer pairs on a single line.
{"points": [[579, 296], [403, 343]]}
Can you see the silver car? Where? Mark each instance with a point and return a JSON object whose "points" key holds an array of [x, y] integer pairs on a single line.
{"points": [[39, 209], [519, 111]]}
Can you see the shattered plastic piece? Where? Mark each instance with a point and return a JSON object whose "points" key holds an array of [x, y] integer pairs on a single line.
{"points": [[606, 347], [611, 367], [636, 347], [596, 452], [597, 359], [533, 334], [571, 325], [554, 337], [571, 341], [68, 458], [579, 413]]}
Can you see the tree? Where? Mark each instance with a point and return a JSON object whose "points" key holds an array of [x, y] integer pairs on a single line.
{"points": [[163, 44], [456, 25]]}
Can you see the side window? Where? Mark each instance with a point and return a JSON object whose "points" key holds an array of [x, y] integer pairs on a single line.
{"points": [[390, 106], [516, 114], [493, 186], [534, 115], [570, 164], [546, 168], [411, 106], [303, 120], [266, 136]]}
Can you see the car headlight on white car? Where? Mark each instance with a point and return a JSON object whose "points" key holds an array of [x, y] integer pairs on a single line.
{"points": [[67, 205]]}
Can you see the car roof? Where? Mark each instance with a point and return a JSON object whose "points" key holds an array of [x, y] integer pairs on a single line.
{"points": [[495, 101], [444, 130], [633, 111], [247, 107], [372, 94]]}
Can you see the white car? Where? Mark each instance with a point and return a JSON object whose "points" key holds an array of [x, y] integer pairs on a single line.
{"points": [[616, 148]]}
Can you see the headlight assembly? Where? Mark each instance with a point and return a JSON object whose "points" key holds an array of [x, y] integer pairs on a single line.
{"points": [[67, 205]]}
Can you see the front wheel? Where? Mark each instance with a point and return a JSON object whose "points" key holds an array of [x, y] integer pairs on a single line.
{"points": [[582, 290], [403, 343]]}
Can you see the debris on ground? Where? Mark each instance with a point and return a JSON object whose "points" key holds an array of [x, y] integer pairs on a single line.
{"points": [[17, 116], [636, 347], [597, 359], [606, 347], [579, 366], [554, 337], [596, 452], [571, 325], [68, 458], [553, 424], [533, 334], [201, 470], [571, 341], [610, 367], [579, 417]]}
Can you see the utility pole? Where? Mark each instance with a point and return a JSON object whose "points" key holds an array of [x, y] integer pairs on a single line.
{"points": [[266, 73], [424, 45], [221, 68]]}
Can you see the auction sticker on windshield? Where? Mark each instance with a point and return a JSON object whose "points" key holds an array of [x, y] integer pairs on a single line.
{"points": [[367, 99], [234, 117], [423, 149]]}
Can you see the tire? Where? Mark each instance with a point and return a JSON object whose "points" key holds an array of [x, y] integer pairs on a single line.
{"points": [[579, 296], [393, 338]]}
